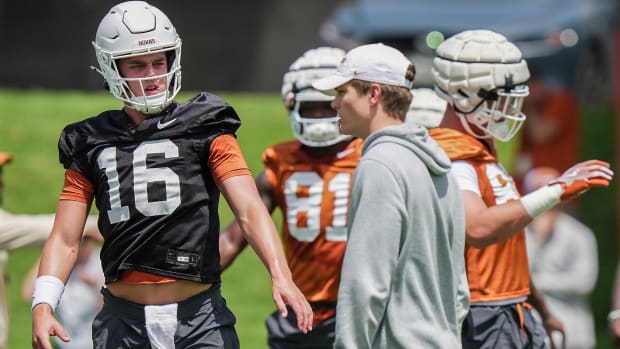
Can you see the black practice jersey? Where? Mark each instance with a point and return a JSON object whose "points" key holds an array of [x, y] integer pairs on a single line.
{"points": [[157, 201]]}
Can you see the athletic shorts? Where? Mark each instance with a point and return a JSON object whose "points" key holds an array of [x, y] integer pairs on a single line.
{"points": [[510, 326], [282, 333], [202, 321]]}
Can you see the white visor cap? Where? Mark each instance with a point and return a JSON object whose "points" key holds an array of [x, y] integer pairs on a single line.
{"points": [[373, 63]]}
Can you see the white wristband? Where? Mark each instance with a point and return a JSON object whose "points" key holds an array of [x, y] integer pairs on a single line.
{"points": [[542, 199], [47, 289]]}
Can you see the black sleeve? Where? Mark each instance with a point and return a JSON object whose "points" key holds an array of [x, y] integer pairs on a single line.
{"points": [[67, 145], [210, 117]]}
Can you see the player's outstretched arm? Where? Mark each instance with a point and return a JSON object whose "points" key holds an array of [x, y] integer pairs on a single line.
{"points": [[232, 242], [260, 232], [57, 260], [487, 225], [572, 183]]}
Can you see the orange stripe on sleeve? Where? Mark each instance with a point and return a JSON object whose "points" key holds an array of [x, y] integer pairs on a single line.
{"points": [[226, 159], [77, 188]]}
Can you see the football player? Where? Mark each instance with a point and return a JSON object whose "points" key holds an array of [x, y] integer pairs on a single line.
{"points": [[309, 180], [483, 78], [155, 169]]}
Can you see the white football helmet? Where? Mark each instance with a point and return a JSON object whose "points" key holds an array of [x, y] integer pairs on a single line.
{"points": [[427, 108], [297, 89], [483, 76], [131, 29]]}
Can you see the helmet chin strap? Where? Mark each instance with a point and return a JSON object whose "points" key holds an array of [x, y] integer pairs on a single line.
{"points": [[150, 104]]}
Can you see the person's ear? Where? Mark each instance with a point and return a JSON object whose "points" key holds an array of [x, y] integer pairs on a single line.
{"points": [[375, 92]]}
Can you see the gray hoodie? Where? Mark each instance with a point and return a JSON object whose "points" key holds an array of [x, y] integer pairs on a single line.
{"points": [[403, 281]]}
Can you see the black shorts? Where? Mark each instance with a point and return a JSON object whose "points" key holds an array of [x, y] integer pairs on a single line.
{"points": [[284, 334], [202, 321], [507, 326]]}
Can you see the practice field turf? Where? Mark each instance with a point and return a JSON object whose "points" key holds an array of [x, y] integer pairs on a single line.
{"points": [[30, 122]]}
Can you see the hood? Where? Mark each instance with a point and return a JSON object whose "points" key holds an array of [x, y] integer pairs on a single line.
{"points": [[415, 138]]}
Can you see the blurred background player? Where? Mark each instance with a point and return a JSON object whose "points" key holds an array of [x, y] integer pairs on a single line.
{"points": [[309, 179], [563, 262], [613, 318], [483, 77], [22, 230], [403, 281], [427, 108], [156, 169], [81, 298]]}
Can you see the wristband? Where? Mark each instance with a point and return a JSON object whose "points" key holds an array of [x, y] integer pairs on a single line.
{"points": [[47, 289], [542, 199], [613, 315]]}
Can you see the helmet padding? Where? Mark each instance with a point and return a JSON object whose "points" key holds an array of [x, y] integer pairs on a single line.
{"points": [[483, 75]]}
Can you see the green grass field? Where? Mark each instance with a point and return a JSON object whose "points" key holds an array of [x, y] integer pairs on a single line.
{"points": [[30, 122]]}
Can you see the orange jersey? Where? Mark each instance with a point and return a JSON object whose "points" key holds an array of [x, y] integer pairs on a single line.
{"points": [[313, 194], [500, 271]]}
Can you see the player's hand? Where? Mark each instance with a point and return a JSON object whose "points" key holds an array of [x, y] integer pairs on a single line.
{"points": [[286, 292], [45, 325], [552, 325], [583, 176]]}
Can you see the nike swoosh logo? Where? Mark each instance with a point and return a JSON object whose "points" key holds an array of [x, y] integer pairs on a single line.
{"points": [[162, 125], [344, 153]]}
